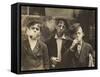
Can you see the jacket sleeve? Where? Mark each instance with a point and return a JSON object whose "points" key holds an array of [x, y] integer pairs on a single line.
{"points": [[45, 57]]}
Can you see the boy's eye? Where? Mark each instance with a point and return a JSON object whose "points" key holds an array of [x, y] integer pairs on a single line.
{"points": [[35, 28], [32, 28], [61, 26]]}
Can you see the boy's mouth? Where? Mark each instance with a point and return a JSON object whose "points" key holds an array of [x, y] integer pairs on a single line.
{"points": [[31, 37]]}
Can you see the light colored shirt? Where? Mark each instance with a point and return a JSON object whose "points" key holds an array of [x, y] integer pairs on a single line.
{"points": [[32, 43], [59, 46]]}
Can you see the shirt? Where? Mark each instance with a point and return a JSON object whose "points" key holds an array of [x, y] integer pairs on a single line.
{"points": [[59, 45], [32, 43]]}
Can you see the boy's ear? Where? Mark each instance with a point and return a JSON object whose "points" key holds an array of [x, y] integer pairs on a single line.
{"points": [[40, 34], [83, 34], [27, 31]]}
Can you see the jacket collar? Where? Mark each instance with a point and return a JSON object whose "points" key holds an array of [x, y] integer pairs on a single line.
{"points": [[63, 37]]}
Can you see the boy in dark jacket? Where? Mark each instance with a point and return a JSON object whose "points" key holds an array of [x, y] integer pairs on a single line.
{"points": [[34, 54], [80, 53]]}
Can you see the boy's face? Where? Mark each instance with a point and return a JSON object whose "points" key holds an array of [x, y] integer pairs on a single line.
{"points": [[79, 34], [34, 31], [60, 28]]}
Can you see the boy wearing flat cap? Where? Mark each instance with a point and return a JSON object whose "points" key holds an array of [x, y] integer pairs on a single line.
{"points": [[58, 44], [34, 55], [80, 53]]}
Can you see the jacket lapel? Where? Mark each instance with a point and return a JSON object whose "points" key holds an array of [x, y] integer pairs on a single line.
{"points": [[82, 53], [63, 46], [54, 44], [28, 49]]}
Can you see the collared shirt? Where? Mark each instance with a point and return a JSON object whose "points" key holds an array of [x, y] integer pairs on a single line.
{"points": [[32, 43], [59, 45]]}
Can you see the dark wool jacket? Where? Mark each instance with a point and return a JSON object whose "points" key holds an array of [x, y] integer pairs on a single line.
{"points": [[72, 60], [37, 59], [52, 50]]}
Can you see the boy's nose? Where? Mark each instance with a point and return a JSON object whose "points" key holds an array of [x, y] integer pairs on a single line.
{"points": [[34, 30], [78, 36]]}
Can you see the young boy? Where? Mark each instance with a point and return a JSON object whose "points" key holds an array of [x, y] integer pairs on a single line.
{"points": [[57, 44], [80, 53], [34, 54]]}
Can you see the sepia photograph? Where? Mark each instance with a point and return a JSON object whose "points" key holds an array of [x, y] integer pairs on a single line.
{"points": [[57, 38]]}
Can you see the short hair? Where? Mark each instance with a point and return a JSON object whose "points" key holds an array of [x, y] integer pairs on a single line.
{"points": [[74, 28]]}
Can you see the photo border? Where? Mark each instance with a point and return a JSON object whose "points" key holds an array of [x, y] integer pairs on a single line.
{"points": [[19, 5]]}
